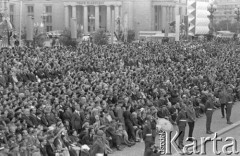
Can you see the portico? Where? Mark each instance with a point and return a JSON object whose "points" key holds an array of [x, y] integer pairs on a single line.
{"points": [[163, 15], [101, 13]]}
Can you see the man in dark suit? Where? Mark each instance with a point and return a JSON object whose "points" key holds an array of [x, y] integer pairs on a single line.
{"points": [[50, 149], [33, 118], [77, 119], [43, 149]]}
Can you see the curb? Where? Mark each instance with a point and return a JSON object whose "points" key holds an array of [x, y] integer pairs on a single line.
{"points": [[220, 132]]}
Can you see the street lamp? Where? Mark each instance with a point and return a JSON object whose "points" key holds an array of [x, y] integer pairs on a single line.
{"points": [[211, 8], [237, 13], [91, 18], [118, 21]]}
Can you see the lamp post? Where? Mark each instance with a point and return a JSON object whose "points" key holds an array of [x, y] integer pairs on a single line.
{"points": [[237, 13], [91, 18], [118, 21], [211, 8]]}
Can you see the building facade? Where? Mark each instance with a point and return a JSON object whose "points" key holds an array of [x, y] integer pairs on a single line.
{"points": [[225, 10], [138, 15]]}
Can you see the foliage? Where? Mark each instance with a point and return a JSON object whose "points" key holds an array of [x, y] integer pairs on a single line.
{"points": [[100, 37], [39, 40], [65, 39], [226, 25], [130, 38]]}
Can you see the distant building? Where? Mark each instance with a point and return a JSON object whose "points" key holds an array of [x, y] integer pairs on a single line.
{"points": [[139, 15], [225, 10]]}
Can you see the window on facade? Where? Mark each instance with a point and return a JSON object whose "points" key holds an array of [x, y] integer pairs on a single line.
{"points": [[48, 9], [49, 28], [30, 9], [49, 19], [11, 18], [11, 8]]}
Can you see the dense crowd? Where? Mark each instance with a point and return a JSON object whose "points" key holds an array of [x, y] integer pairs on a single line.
{"points": [[55, 101]]}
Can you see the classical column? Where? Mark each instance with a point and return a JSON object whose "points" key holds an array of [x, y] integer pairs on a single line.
{"points": [[74, 11], [116, 11], [158, 16], [164, 19], [174, 13], [170, 14], [109, 18], [66, 8], [85, 19], [96, 17]]}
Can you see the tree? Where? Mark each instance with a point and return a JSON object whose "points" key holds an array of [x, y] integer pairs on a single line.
{"points": [[131, 36], [226, 25], [65, 39], [100, 37]]}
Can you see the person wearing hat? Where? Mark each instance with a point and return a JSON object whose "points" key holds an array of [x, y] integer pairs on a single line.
{"points": [[181, 122], [209, 112], [191, 119], [98, 146], [229, 104], [223, 97], [147, 134]]}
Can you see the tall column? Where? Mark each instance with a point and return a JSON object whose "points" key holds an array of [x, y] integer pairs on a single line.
{"points": [[85, 19], [170, 14], [164, 19], [74, 11], [66, 10], [96, 17], [174, 13], [158, 16], [116, 11], [109, 18]]}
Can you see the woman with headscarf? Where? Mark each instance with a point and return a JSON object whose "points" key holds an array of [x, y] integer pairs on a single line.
{"points": [[99, 144]]}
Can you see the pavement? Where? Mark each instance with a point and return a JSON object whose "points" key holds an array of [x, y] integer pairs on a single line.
{"points": [[219, 125]]}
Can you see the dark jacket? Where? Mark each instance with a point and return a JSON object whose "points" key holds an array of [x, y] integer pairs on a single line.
{"points": [[77, 121], [98, 147], [50, 149]]}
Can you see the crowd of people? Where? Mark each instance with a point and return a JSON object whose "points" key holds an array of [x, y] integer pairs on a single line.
{"points": [[70, 101]]}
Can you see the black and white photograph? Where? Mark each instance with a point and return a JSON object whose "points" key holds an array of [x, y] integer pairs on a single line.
{"points": [[119, 77]]}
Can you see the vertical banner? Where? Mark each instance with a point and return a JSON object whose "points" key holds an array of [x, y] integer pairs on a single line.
{"points": [[74, 28], [177, 27], [29, 27]]}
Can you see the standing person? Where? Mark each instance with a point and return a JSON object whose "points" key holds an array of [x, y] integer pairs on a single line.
{"points": [[223, 100], [147, 136], [181, 122], [209, 112], [98, 146], [191, 115], [229, 104]]}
